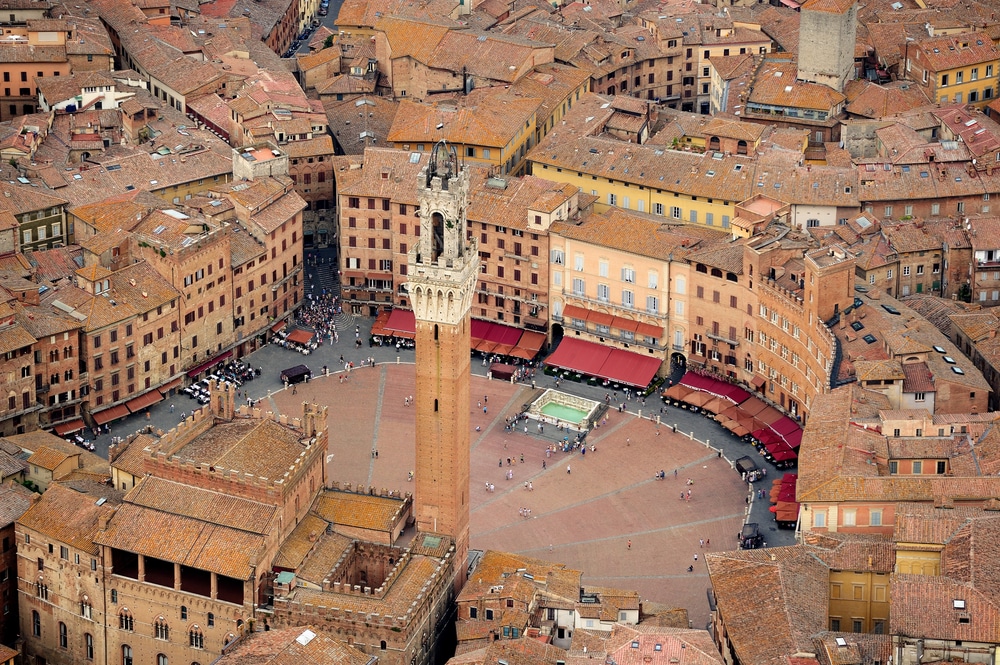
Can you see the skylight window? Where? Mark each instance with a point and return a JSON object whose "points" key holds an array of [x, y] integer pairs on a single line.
{"points": [[958, 370], [958, 604], [940, 349], [949, 360]]}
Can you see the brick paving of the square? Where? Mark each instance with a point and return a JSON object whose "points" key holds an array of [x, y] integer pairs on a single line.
{"points": [[584, 518]]}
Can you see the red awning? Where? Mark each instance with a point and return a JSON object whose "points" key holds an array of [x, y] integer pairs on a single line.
{"points": [[791, 3], [531, 341], [479, 329], [114, 413], [783, 455], [758, 382], [574, 312], [735, 394], [144, 400], [624, 324], [483, 345], [495, 333], [170, 385], [785, 426], [600, 318], [529, 345], [211, 363], [752, 406], [579, 355], [696, 381], [502, 349], [352, 274], [278, 326], [593, 359], [300, 336], [769, 415], [646, 330], [68, 428], [402, 322], [794, 440]]}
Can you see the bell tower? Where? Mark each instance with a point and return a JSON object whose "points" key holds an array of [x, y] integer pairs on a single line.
{"points": [[442, 273]]}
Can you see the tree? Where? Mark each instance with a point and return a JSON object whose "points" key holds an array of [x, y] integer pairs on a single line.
{"points": [[328, 42]]}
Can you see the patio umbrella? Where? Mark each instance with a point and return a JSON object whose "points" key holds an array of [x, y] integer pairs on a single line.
{"points": [[698, 399], [716, 404]]}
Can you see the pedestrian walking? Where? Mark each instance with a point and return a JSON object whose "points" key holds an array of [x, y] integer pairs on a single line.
{"points": [[701, 542], [567, 468], [629, 546], [171, 408]]}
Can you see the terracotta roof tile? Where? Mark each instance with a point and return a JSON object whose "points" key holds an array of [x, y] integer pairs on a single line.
{"points": [[15, 499], [261, 448], [644, 235], [955, 51], [797, 586], [924, 606], [67, 516], [487, 117], [204, 505], [184, 540], [292, 646], [918, 378], [359, 510], [48, 459]]}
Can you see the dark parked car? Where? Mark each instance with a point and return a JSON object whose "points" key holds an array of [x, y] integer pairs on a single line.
{"points": [[750, 538]]}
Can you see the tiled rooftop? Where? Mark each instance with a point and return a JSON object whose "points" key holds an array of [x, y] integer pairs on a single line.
{"points": [[67, 516], [261, 448]]}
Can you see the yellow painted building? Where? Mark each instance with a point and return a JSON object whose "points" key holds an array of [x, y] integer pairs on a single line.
{"points": [[918, 559], [960, 68], [675, 185], [859, 602]]}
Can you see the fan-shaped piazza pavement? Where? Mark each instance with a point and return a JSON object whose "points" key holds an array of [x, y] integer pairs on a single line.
{"points": [[584, 509]]}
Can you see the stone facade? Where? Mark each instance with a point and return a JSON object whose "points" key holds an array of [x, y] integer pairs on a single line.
{"points": [[827, 35]]}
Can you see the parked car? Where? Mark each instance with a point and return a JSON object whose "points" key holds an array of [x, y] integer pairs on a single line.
{"points": [[323, 11], [750, 538]]}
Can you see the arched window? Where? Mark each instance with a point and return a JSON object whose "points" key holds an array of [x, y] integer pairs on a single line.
{"points": [[714, 144], [36, 624], [160, 629], [63, 636], [126, 655], [184, 612], [211, 619], [125, 620], [88, 645], [161, 659], [741, 147], [196, 638], [382, 645]]}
